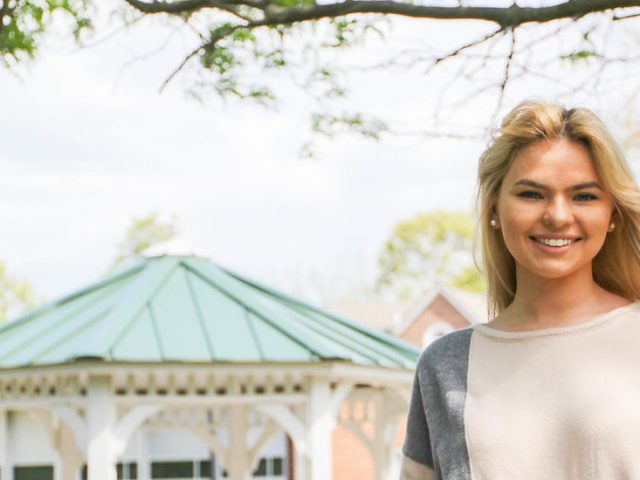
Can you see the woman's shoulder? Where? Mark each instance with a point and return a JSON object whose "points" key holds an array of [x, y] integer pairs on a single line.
{"points": [[448, 350]]}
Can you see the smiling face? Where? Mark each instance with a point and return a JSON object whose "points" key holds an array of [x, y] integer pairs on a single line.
{"points": [[553, 210]]}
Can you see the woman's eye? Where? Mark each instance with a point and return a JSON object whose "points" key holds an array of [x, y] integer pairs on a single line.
{"points": [[585, 197], [529, 194]]}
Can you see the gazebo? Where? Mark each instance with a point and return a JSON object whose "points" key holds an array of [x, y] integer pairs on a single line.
{"points": [[179, 342]]}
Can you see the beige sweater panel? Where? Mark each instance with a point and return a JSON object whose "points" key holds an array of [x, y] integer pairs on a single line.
{"points": [[556, 404]]}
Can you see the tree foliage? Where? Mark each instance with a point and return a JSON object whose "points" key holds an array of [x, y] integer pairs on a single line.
{"points": [[232, 34], [24, 23], [142, 234], [16, 295], [428, 249], [235, 47]]}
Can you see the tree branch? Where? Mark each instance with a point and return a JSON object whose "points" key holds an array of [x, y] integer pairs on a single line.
{"points": [[617, 18], [505, 78], [208, 44], [505, 17], [464, 47], [179, 68], [188, 6]]}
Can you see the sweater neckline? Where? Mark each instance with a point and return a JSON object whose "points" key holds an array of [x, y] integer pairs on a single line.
{"points": [[594, 322]]}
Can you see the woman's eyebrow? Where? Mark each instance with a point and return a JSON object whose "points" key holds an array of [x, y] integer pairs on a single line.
{"points": [[582, 186], [542, 186]]}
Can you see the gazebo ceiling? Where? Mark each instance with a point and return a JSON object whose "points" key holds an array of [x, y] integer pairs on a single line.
{"points": [[187, 309]]}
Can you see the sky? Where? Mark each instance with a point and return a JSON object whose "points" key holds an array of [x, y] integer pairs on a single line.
{"points": [[88, 143]]}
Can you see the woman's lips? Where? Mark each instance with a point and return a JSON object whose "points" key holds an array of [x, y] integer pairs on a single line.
{"points": [[555, 245]]}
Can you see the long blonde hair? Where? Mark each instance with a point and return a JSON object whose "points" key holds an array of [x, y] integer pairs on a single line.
{"points": [[617, 266]]}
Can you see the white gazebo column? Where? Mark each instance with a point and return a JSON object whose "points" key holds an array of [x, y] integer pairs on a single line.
{"points": [[142, 456], [69, 457], [321, 421], [101, 421], [390, 413], [300, 464], [6, 462], [237, 453]]}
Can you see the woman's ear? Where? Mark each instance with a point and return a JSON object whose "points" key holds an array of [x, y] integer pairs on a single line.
{"points": [[613, 220], [494, 221]]}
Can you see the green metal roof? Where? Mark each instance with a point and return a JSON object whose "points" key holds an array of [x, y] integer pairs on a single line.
{"points": [[183, 308]]}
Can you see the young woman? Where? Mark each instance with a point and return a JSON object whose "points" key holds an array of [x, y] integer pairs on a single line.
{"points": [[550, 388]]}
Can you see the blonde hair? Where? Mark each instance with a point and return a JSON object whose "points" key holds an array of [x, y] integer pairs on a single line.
{"points": [[617, 266]]}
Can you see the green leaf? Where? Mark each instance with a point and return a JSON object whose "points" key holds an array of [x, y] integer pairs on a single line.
{"points": [[243, 35], [219, 59], [580, 56], [221, 31], [330, 125], [26, 25]]}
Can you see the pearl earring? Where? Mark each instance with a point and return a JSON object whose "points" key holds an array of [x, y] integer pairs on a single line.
{"points": [[493, 222], [612, 226]]}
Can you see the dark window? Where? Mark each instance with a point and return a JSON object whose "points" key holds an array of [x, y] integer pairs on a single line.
{"points": [[261, 471], [36, 472], [172, 470], [206, 468], [276, 466], [127, 471]]}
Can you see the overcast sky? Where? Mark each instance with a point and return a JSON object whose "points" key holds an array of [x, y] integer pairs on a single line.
{"points": [[86, 145]]}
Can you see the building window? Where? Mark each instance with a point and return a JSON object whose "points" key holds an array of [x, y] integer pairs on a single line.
{"points": [[261, 470], [206, 467], [172, 470], [35, 472], [277, 466], [269, 466], [125, 471]]}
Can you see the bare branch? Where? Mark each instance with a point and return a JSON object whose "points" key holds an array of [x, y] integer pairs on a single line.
{"points": [[505, 78], [617, 18], [113, 33], [505, 17], [542, 38], [461, 49], [437, 134], [144, 56], [525, 69], [179, 68], [200, 35]]}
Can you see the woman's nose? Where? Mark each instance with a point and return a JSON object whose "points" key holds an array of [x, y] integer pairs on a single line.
{"points": [[558, 213]]}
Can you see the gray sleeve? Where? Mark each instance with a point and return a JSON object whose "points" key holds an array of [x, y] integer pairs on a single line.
{"points": [[417, 444], [435, 427]]}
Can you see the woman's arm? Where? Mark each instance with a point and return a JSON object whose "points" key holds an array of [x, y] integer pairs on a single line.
{"points": [[412, 470], [417, 461]]}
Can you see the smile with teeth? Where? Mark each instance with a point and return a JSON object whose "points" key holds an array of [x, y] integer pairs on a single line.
{"points": [[555, 242]]}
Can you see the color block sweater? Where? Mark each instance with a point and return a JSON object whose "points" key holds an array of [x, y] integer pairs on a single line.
{"points": [[561, 403]]}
